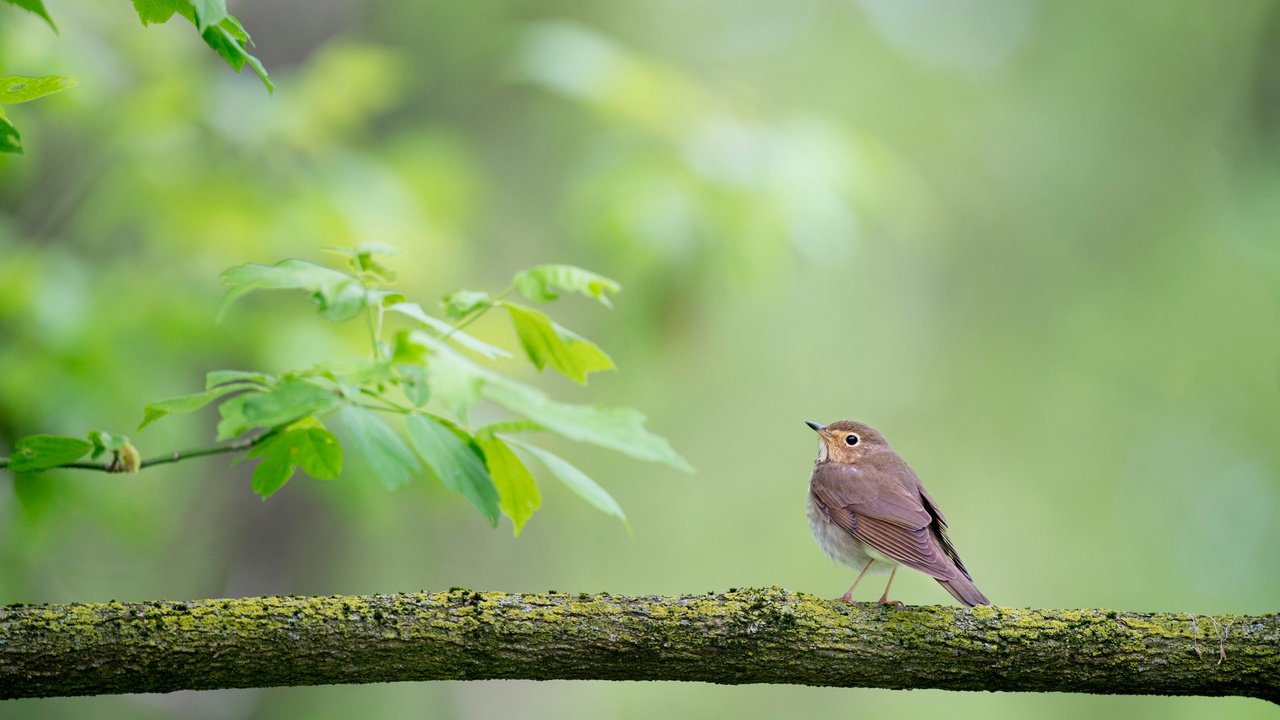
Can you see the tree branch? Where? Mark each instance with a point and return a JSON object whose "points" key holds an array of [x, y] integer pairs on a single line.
{"points": [[240, 445], [747, 636], [112, 466]]}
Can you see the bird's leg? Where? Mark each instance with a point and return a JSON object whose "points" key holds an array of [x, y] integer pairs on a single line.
{"points": [[848, 597], [884, 599]]}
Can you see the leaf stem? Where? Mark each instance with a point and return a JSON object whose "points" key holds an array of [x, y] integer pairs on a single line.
{"points": [[373, 331], [386, 405], [478, 313]]}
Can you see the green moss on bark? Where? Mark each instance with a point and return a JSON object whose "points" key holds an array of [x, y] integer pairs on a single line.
{"points": [[742, 636]]}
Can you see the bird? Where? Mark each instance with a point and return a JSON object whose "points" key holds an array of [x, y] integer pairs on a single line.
{"points": [[867, 508]]}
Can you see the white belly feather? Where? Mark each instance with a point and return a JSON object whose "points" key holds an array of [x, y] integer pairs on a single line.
{"points": [[843, 547]]}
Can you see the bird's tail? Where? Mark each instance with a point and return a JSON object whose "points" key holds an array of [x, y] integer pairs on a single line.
{"points": [[965, 591]]}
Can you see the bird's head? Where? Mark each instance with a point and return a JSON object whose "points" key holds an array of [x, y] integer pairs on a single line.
{"points": [[846, 441]]}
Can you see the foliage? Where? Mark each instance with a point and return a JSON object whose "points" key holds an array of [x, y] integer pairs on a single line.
{"points": [[16, 89], [282, 420], [220, 30]]}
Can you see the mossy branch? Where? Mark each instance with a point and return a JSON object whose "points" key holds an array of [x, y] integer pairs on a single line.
{"points": [[747, 636]]}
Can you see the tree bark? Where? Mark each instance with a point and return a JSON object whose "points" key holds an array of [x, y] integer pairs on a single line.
{"points": [[742, 636]]}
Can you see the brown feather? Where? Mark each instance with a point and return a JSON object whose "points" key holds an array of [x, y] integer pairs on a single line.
{"points": [[881, 502], [940, 530], [965, 591]]}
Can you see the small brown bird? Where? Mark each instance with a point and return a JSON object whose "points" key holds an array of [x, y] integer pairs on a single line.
{"points": [[867, 508]]}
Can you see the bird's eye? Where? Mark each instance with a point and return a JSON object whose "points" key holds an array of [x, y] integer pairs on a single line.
{"points": [[851, 440]]}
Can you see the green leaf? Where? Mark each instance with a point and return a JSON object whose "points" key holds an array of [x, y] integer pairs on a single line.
{"points": [[373, 270], [383, 450], [517, 490], [19, 89], [209, 12], [307, 445], [189, 403], [338, 295], [157, 11], [283, 404], [413, 380], [319, 453], [453, 379], [455, 461], [357, 374], [459, 383], [577, 481], [544, 283], [229, 40], [220, 31], [467, 341], [512, 426], [461, 303], [362, 260], [273, 471], [37, 7], [414, 310], [10, 138], [404, 349], [620, 429], [385, 297], [236, 30], [104, 442], [368, 248], [40, 452], [288, 401], [221, 377], [546, 343]]}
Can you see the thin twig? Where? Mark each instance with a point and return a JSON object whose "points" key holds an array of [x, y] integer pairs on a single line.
{"points": [[237, 446], [374, 334], [479, 312]]}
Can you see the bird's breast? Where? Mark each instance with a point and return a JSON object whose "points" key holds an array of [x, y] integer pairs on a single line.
{"points": [[842, 546]]}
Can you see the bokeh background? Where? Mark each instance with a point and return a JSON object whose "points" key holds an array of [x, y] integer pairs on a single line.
{"points": [[1036, 244]]}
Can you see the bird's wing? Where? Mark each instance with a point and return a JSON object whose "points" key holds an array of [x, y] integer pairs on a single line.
{"points": [[883, 507], [940, 529]]}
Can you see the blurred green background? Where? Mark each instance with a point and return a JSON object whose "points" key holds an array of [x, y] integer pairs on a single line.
{"points": [[1035, 244]]}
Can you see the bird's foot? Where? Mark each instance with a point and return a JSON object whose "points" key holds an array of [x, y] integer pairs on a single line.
{"points": [[886, 601], [848, 598]]}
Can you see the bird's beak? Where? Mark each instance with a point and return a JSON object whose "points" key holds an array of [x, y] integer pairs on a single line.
{"points": [[816, 427]]}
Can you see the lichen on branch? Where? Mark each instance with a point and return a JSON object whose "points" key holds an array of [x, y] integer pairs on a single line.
{"points": [[741, 636]]}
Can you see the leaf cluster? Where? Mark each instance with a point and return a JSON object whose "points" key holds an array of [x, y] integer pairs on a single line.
{"points": [[42, 452], [403, 409], [220, 30]]}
